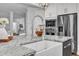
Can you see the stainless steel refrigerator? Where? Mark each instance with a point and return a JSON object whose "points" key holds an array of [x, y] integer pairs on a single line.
{"points": [[67, 26]]}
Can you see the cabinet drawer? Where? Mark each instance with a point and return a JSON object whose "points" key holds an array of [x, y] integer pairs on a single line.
{"points": [[67, 51], [67, 48]]}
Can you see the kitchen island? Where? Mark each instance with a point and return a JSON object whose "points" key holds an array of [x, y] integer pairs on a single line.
{"points": [[66, 44]]}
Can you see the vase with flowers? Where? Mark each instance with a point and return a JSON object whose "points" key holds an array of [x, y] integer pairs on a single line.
{"points": [[3, 22], [3, 32], [39, 31]]}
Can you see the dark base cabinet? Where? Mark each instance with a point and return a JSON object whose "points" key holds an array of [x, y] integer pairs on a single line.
{"points": [[67, 48]]}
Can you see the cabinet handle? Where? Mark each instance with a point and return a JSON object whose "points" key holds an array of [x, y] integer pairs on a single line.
{"points": [[67, 45]]}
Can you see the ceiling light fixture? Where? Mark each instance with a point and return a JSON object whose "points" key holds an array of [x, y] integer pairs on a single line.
{"points": [[43, 5]]}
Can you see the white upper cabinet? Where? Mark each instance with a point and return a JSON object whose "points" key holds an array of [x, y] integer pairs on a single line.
{"points": [[66, 8], [71, 8], [55, 9], [50, 11], [59, 9], [77, 8]]}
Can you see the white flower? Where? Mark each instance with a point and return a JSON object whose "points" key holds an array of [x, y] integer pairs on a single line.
{"points": [[4, 21]]}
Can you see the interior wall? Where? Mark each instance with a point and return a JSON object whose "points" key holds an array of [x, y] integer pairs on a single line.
{"points": [[31, 13], [16, 9], [16, 27]]}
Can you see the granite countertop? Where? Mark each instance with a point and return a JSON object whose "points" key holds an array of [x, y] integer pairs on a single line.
{"points": [[16, 51]]}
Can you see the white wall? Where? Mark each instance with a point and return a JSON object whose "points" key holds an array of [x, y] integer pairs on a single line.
{"points": [[31, 13], [18, 21], [12, 11]]}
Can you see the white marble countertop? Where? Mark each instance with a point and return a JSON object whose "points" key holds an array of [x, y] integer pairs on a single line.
{"points": [[62, 39], [21, 40], [16, 51], [13, 48], [58, 38]]}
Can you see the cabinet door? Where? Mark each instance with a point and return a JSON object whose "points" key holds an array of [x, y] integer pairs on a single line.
{"points": [[70, 8], [67, 51], [51, 11], [65, 8], [60, 9]]}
